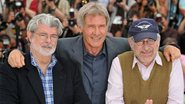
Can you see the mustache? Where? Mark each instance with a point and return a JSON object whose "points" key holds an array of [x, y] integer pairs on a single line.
{"points": [[47, 46]]}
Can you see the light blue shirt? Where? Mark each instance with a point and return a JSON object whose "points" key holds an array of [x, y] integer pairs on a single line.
{"points": [[47, 79]]}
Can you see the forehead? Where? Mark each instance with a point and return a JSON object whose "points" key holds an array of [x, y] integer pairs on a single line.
{"points": [[46, 28], [93, 18], [146, 39], [94, 15]]}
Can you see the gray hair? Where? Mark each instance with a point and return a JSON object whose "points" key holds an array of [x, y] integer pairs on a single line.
{"points": [[92, 8], [45, 19]]}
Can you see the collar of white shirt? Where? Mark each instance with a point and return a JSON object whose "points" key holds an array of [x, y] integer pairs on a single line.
{"points": [[157, 59]]}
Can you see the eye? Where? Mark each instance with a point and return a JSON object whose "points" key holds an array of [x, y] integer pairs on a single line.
{"points": [[43, 34], [151, 40], [91, 26], [54, 36]]}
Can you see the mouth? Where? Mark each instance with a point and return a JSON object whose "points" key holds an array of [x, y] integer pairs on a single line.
{"points": [[147, 54], [47, 46], [96, 38]]}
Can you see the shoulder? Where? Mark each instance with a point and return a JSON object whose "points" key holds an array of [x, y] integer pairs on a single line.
{"points": [[126, 56], [69, 40], [67, 64], [118, 43], [5, 67], [6, 70], [116, 39], [68, 43]]}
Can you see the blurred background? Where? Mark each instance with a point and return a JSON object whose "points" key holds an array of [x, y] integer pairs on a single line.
{"points": [[15, 14]]}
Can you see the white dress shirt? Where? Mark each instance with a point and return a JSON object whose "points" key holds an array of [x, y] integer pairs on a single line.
{"points": [[114, 94]]}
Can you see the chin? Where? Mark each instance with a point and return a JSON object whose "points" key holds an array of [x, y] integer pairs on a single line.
{"points": [[47, 52]]}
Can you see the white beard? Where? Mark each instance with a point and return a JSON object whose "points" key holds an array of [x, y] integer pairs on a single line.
{"points": [[44, 50]]}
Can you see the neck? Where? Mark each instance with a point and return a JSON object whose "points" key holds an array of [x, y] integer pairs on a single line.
{"points": [[147, 64], [42, 61], [93, 51]]}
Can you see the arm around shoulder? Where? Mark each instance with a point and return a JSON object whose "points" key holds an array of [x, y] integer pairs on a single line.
{"points": [[16, 59]]}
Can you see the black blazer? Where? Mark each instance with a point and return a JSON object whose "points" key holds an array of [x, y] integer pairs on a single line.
{"points": [[23, 86]]}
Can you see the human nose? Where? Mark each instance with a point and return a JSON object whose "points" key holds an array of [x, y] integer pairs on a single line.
{"points": [[97, 30], [48, 39], [145, 45], [145, 42]]}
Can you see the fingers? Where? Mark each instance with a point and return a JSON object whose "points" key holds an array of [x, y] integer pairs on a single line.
{"points": [[167, 56], [22, 60], [16, 59], [172, 56], [19, 61], [171, 53], [149, 101], [10, 59], [177, 54]]}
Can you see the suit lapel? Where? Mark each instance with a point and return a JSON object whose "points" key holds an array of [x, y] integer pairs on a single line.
{"points": [[78, 52], [34, 79], [78, 56], [111, 51], [59, 80], [36, 83]]}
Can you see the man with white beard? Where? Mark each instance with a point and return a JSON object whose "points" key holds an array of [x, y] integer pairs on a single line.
{"points": [[43, 80]]}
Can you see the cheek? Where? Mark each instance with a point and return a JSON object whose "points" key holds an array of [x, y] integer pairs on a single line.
{"points": [[103, 30], [156, 48], [87, 31], [30, 40], [135, 47], [138, 50], [55, 44]]}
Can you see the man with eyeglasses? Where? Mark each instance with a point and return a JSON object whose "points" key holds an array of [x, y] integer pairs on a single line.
{"points": [[143, 76], [44, 79], [94, 50]]}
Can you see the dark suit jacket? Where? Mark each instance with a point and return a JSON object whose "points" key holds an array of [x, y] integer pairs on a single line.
{"points": [[73, 48], [24, 86]]}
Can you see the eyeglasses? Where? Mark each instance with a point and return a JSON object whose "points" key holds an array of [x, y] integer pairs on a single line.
{"points": [[148, 41], [44, 36]]}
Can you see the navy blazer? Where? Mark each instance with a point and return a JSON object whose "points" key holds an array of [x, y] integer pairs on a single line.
{"points": [[24, 86]]}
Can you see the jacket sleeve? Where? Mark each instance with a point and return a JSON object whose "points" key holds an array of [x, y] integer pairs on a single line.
{"points": [[8, 85]]}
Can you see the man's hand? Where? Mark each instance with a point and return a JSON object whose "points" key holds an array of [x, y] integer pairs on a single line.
{"points": [[171, 53], [149, 101], [16, 59]]}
